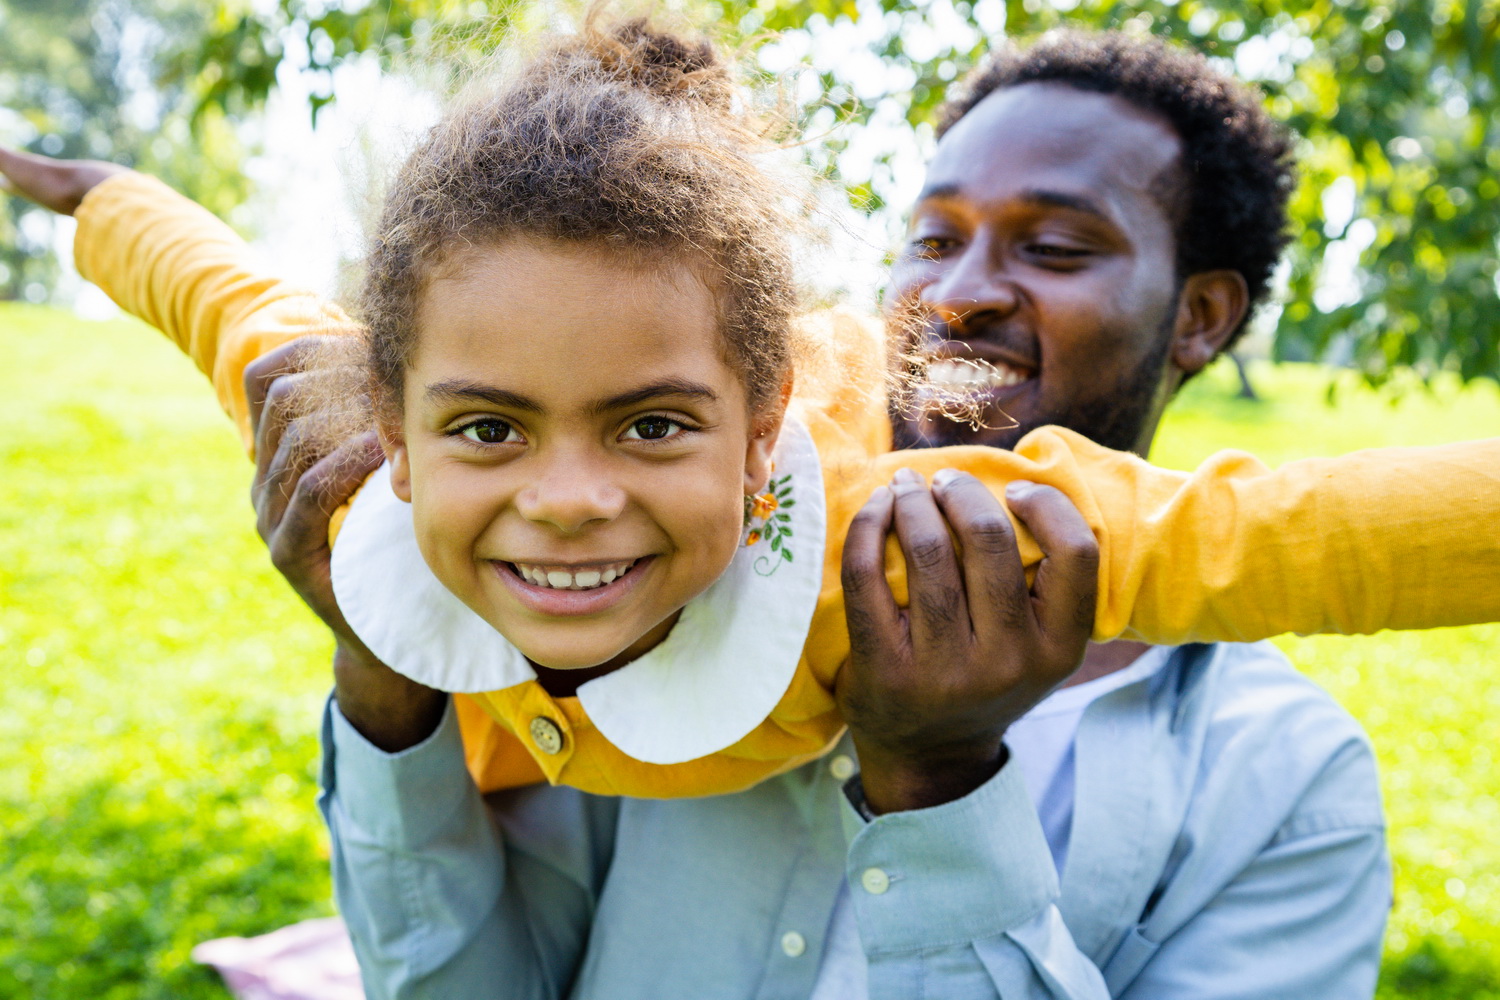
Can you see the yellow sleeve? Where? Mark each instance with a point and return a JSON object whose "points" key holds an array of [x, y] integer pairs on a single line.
{"points": [[1391, 538], [1395, 538], [168, 261]]}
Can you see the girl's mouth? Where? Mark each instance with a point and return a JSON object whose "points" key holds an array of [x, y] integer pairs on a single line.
{"points": [[568, 591], [585, 577]]}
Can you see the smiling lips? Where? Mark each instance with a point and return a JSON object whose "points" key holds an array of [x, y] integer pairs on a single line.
{"points": [[973, 375], [576, 577]]}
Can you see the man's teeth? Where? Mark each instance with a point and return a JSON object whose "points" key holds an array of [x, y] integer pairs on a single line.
{"points": [[966, 375], [557, 578]]}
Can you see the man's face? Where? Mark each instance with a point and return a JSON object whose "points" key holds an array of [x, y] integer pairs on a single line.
{"points": [[1043, 245]]}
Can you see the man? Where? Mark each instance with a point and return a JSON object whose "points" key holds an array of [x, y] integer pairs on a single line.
{"points": [[1100, 217]]}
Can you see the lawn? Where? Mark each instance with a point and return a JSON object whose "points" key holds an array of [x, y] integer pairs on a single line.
{"points": [[158, 745]]}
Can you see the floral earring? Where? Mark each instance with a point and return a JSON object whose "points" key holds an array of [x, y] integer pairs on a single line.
{"points": [[766, 516]]}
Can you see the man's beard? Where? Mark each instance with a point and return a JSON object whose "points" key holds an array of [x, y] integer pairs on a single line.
{"points": [[1115, 419]]}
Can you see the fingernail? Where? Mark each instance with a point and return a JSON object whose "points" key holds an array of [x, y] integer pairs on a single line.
{"points": [[1018, 488], [906, 477], [943, 477]]}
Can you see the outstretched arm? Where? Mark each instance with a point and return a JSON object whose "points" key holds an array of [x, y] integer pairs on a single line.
{"points": [[168, 261], [56, 184]]}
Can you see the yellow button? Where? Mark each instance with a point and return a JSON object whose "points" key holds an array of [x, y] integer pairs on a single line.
{"points": [[875, 881], [842, 767], [793, 944], [545, 734]]}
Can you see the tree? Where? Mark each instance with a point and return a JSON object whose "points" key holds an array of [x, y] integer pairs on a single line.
{"points": [[1397, 216], [83, 78]]}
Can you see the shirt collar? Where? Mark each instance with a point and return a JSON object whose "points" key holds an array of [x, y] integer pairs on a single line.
{"points": [[718, 675]]}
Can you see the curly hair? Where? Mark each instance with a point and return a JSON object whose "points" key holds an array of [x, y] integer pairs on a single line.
{"points": [[626, 139], [1236, 160]]}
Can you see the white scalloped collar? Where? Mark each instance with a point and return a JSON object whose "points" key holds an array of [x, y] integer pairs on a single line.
{"points": [[718, 675]]}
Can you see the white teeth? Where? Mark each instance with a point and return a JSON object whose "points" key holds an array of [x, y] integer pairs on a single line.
{"points": [[968, 376], [562, 579]]}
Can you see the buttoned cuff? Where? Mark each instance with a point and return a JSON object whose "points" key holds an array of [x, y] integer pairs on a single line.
{"points": [[401, 799], [934, 878]]}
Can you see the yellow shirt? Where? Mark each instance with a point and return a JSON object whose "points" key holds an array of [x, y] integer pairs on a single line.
{"points": [[1391, 538]]}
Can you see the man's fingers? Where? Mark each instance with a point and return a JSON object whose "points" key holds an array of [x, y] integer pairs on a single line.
{"points": [[333, 480], [874, 619], [299, 545], [994, 579], [277, 462], [275, 487], [1066, 585], [937, 608], [262, 373]]}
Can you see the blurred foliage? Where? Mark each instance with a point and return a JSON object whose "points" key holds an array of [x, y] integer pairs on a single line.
{"points": [[1397, 97], [87, 78], [1397, 217]]}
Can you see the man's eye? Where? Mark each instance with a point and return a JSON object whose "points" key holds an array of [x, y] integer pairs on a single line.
{"points": [[930, 247], [489, 431], [1058, 251], [653, 429]]}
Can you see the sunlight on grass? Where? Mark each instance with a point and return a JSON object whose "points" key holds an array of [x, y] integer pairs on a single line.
{"points": [[1429, 700], [158, 747]]}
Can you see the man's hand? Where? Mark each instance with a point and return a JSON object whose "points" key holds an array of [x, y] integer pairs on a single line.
{"points": [[295, 493], [929, 691], [56, 184]]}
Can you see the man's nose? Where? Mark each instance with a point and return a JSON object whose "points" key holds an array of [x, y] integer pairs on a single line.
{"points": [[570, 492], [973, 287]]}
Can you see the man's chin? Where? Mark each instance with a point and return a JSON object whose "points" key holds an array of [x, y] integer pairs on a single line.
{"points": [[934, 430]]}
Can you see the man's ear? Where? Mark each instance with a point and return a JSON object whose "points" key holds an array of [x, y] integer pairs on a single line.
{"points": [[1209, 309], [765, 428], [393, 443]]}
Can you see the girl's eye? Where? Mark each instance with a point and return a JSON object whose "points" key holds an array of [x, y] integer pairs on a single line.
{"points": [[653, 429], [489, 431]]}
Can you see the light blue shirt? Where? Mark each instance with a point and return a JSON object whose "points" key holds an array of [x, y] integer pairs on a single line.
{"points": [[1227, 840]]}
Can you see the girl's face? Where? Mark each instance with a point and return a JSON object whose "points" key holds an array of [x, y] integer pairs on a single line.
{"points": [[574, 446]]}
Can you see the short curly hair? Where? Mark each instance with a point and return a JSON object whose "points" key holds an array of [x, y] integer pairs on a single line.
{"points": [[1236, 159]]}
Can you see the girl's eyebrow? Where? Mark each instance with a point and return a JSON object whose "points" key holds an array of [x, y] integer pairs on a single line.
{"points": [[664, 387], [465, 391], [457, 390]]}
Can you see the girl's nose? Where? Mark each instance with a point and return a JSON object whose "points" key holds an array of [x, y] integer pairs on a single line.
{"points": [[571, 494]]}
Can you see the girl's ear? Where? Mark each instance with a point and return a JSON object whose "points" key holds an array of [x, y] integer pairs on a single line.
{"points": [[393, 443], [765, 428]]}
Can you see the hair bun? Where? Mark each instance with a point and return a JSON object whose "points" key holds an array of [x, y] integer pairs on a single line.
{"points": [[668, 66]]}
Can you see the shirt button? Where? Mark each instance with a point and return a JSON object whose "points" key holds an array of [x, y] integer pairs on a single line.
{"points": [[545, 734], [793, 944], [842, 767], [875, 881]]}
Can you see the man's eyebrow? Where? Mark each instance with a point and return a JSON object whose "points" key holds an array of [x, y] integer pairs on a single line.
{"points": [[457, 390], [1045, 197], [679, 387], [938, 192], [1065, 199]]}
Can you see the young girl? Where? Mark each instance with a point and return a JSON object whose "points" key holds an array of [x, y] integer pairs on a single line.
{"points": [[605, 514]]}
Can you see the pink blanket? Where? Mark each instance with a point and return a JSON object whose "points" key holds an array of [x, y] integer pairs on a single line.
{"points": [[308, 961]]}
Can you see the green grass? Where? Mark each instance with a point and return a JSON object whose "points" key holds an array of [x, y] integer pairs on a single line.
{"points": [[158, 739]]}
